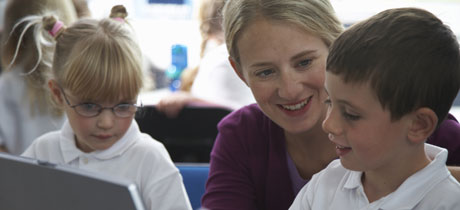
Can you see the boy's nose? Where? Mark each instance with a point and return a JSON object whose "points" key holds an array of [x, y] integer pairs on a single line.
{"points": [[331, 124]]}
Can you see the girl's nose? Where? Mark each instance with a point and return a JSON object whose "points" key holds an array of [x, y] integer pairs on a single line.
{"points": [[106, 119]]}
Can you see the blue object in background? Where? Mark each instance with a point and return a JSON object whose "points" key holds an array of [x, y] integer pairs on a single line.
{"points": [[178, 64], [194, 177], [166, 1]]}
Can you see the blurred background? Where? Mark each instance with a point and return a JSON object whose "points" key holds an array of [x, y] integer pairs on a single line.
{"points": [[160, 24]]}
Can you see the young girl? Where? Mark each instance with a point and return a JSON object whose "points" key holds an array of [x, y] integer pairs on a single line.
{"points": [[96, 80]]}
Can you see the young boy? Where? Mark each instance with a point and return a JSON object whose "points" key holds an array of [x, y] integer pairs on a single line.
{"points": [[391, 81]]}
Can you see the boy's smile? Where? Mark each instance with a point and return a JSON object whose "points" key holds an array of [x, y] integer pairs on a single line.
{"points": [[366, 138]]}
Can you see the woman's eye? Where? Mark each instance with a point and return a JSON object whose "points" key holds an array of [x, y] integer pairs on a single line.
{"points": [[264, 73], [328, 102], [304, 63]]}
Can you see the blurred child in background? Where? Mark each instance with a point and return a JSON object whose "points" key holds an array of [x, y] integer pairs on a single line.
{"points": [[25, 105]]}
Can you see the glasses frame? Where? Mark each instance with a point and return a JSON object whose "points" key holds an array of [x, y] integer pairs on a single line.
{"points": [[101, 108]]}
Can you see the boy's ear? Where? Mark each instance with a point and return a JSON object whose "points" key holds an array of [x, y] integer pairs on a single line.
{"points": [[237, 69], [424, 122], [55, 92]]}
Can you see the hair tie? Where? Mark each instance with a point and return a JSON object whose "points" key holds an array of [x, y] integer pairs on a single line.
{"points": [[57, 29], [118, 13], [119, 19]]}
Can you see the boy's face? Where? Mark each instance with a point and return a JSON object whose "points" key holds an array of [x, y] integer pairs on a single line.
{"points": [[366, 138]]}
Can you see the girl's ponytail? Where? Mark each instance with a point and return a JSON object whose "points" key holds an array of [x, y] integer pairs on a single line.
{"points": [[119, 13], [54, 26]]}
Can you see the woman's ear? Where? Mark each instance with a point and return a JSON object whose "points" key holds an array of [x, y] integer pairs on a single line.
{"points": [[424, 122], [236, 67], [55, 92]]}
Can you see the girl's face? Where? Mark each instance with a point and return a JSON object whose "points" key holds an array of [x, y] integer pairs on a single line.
{"points": [[284, 66], [99, 132]]}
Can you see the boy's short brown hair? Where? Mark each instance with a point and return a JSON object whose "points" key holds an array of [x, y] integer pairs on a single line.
{"points": [[408, 56]]}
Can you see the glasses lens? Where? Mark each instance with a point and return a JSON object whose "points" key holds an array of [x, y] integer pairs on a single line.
{"points": [[88, 110], [124, 110]]}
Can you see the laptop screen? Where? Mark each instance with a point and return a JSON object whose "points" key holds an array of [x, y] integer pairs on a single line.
{"points": [[31, 184]]}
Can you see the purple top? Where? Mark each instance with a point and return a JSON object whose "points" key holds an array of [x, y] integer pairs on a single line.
{"points": [[448, 136], [297, 181], [249, 169]]}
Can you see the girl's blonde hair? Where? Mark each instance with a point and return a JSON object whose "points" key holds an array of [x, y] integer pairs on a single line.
{"points": [[97, 60], [314, 16], [22, 53]]}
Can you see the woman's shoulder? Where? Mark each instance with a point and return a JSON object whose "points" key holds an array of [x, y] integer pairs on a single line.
{"points": [[247, 115], [446, 136], [249, 129]]}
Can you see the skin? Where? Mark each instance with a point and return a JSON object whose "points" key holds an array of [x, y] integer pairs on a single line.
{"points": [[92, 133], [3, 149], [284, 66], [367, 139]]}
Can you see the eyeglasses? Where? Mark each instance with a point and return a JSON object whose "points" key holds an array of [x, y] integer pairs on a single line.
{"points": [[93, 110]]}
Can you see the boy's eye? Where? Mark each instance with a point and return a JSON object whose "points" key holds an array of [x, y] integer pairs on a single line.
{"points": [[328, 102], [350, 117]]}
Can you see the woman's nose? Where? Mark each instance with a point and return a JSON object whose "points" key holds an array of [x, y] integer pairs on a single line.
{"points": [[290, 86]]}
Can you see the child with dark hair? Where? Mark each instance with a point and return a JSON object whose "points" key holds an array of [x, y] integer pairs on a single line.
{"points": [[391, 81]]}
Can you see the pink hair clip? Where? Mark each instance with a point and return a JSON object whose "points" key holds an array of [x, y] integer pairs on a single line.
{"points": [[56, 28], [119, 19]]}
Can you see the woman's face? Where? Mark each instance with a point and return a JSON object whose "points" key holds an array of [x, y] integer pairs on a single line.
{"points": [[285, 68]]}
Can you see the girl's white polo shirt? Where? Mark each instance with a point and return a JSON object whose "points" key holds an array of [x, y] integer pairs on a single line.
{"points": [[136, 156]]}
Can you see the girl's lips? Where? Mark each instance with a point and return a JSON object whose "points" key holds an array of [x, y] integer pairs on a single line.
{"points": [[103, 136]]}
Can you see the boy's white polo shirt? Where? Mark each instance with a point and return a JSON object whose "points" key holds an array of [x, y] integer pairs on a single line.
{"points": [[338, 188], [136, 156]]}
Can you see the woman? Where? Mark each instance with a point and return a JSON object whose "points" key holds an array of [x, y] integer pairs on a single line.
{"points": [[264, 153]]}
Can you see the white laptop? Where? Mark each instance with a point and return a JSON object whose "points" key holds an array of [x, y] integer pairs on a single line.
{"points": [[27, 184]]}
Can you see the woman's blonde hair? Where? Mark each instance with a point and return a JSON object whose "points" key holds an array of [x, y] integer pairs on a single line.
{"points": [[22, 53], [314, 16]]}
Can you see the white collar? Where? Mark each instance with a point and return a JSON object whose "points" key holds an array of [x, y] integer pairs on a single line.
{"points": [[413, 189], [70, 151]]}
